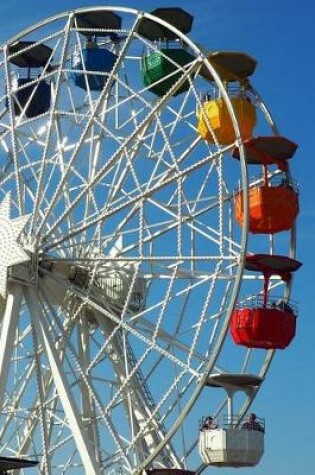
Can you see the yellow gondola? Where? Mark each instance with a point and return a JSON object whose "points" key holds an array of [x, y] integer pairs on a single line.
{"points": [[215, 123]]}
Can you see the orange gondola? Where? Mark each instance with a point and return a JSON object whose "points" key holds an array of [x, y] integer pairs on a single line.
{"points": [[273, 204], [272, 209]]}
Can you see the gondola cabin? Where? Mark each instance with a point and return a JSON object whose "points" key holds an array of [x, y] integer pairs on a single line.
{"points": [[268, 327], [262, 322], [272, 209], [161, 69], [93, 63], [93, 59], [230, 444], [273, 205], [215, 123], [231, 447], [31, 96]]}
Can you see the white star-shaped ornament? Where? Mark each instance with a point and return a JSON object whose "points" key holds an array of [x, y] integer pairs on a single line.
{"points": [[11, 253]]}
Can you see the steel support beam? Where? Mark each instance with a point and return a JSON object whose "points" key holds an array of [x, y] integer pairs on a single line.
{"points": [[8, 332], [63, 388]]}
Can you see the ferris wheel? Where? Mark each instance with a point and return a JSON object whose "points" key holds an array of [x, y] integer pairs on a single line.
{"points": [[129, 233]]}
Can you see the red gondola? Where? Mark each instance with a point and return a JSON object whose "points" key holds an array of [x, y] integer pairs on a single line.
{"points": [[263, 327], [263, 324]]}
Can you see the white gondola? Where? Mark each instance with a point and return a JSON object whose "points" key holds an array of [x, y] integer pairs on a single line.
{"points": [[232, 445]]}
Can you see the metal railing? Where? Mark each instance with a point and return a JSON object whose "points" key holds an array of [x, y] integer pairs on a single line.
{"points": [[232, 423], [214, 94], [273, 302], [274, 181]]}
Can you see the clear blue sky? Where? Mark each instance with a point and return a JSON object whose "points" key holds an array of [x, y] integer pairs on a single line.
{"points": [[280, 34]]}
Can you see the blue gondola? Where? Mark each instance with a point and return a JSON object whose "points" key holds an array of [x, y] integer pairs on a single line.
{"points": [[95, 57]]}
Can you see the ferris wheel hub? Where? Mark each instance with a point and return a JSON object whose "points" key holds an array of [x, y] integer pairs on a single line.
{"points": [[11, 252]]}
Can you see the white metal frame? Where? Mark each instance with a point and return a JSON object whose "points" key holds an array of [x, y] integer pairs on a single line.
{"points": [[118, 183]]}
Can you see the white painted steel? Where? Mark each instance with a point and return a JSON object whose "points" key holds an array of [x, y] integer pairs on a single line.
{"points": [[8, 331], [231, 447], [62, 387]]}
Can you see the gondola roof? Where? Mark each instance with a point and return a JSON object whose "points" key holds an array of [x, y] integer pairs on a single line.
{"points": [[176, 17]]}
